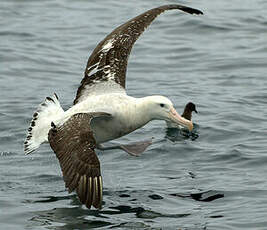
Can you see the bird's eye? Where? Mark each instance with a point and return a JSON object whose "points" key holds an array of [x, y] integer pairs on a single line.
{"points": [[161, 105]]}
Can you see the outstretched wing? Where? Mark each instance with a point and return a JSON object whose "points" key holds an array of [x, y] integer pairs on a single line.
{"points": [[108, 62], [74, 145]]}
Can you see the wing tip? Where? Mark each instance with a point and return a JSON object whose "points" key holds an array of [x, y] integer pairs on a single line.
{"points": [[186, 9], [192, 11], [90, 190]]}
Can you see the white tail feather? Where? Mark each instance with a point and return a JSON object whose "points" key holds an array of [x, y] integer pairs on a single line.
{"points": [[50, 110]]}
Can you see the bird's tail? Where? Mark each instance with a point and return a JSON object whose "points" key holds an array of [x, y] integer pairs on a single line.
{"points": [[50, 110]]}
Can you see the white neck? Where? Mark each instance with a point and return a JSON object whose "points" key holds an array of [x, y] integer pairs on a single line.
{"points": [[138, 113]]}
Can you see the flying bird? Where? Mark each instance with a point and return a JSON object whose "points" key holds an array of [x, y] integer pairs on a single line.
{"points": [[102, 111]]}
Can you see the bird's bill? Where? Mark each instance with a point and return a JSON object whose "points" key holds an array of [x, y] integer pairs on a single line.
{"points": [[176, 118]]}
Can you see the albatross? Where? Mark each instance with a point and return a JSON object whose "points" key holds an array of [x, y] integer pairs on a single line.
{"points": [[102, 111], [189, 108]]}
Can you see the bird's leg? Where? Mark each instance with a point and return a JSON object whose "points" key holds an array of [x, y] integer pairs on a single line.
{"points": [[134, 149]]}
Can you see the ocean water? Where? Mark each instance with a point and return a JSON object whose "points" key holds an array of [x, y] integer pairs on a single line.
{"points": [[215, 179]]}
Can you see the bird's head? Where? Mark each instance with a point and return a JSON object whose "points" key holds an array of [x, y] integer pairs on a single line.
{"points": [[161, 108], [191, 107]]}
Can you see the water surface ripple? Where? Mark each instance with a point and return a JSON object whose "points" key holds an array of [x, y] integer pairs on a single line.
{"points": [[215, 179]]}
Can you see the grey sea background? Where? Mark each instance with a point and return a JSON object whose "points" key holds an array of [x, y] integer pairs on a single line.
{"points": [[213, 179]]}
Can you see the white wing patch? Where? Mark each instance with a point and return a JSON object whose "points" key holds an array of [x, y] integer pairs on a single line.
{"points": [[108, 45], [102, 88], [93, 67], [106, 69]]}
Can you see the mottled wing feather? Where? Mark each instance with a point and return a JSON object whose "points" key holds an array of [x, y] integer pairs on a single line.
{"points": [[74, 144], [108, 62]]}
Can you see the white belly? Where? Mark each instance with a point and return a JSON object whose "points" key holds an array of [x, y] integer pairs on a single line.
{"points": [[108, 129], [120, 106]]}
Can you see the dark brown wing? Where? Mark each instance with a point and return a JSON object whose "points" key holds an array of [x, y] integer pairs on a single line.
{"points": [[74, 145], [108, 62]]}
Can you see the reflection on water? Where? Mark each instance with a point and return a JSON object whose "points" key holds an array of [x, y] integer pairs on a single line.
{"points": [[175, 134], [68, 218], [207, 196], [80, 217]]}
